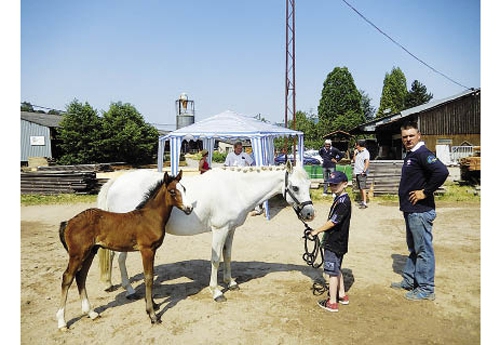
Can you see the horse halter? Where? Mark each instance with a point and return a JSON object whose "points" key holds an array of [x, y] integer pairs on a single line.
{"points": [[300, 205]]}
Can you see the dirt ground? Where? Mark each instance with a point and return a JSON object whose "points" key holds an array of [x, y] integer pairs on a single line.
{"points": [[275, 304]]}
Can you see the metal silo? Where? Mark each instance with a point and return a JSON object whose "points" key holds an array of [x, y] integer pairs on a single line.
{"points": [[184, 109]]}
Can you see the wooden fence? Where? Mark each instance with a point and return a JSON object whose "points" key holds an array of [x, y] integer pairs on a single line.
{"points": [[383, 177], [81, 182]]}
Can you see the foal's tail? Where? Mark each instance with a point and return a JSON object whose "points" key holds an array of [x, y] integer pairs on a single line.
{"points": [[62, 230], [104, 255]]}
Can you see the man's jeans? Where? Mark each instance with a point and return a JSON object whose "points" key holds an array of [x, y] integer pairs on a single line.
{"points": [[420, 265], [326, 176]]}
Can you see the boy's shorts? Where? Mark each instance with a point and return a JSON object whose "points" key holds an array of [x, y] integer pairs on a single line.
{"points": [[332, 263], [361, 180]]}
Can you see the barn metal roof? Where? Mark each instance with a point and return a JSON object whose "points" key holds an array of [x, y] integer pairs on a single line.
{"points": [[47, 120], [370, 126]]}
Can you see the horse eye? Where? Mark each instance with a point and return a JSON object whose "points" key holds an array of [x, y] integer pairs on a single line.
{"points": [[295, 188], [172, 192]]}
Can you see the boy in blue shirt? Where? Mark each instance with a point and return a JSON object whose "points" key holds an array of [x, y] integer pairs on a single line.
{"points": [[335, 241]]}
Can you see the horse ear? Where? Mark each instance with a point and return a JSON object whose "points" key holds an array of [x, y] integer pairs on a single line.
{"points": [[166, 178], [179, 176], [289, 166]]}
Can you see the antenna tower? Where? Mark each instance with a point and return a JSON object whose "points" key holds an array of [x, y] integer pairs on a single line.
{"points": [[290, 62]]}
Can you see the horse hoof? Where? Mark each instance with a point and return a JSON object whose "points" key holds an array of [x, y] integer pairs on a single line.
{"points": [[111, 288], [235, 287], [156, 322], [93, 315], [220, 298], [63, 329], [132, 296]]}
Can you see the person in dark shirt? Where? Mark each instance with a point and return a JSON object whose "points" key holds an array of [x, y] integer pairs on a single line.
{"points": [[422, 174], [331, 155], [335, 241]]}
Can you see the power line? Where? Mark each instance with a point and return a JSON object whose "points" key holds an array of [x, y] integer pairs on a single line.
{"points": [[406, 50]]}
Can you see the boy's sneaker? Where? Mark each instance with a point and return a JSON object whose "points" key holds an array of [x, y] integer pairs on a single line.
{"points": [[331, 307], [344, 300], [419, 295], [400, 286], [363, 206]]}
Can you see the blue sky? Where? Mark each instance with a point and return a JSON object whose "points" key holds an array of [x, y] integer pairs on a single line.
{"points": [[228, 54]]}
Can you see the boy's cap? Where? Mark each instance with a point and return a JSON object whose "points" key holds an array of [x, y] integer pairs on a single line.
{"points": [[337, 177]]}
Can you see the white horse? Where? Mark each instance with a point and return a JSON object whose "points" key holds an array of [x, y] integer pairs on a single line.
{"points": [[221, 199]]}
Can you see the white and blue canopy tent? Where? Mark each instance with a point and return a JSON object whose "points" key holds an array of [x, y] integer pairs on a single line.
{"points": [[230, 127]]}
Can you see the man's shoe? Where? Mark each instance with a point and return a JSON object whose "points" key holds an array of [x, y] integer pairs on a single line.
{"points": [[363, 206], [324, 194], [344, 300], [331, 307], [419, 295], [400, 286]]}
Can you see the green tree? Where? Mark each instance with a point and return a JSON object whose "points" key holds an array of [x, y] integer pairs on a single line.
{"points": [[306, 123], [393, 93], [26, 106], [368, 109], [340, 104], [417, 95], [80, 134], [127, 137]]}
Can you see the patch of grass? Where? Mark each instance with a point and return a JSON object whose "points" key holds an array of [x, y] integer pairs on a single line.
{"points": [[37, 199], [458, 193]]}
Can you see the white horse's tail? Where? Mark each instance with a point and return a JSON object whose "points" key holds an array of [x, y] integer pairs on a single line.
{"points": [[102, 197], [105, 255]]}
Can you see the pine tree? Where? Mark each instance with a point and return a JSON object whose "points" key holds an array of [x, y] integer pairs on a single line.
{"points": [[394, 93], [417, 95]]}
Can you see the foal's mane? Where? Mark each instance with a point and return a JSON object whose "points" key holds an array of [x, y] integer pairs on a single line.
{"points": [[150, 194]]}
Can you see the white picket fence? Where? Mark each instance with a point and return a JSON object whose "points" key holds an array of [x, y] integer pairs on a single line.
{"points": [[459, 152]]}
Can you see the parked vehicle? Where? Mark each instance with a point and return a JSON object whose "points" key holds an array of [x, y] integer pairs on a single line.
{"points": [[315, 154], [308, 160]]}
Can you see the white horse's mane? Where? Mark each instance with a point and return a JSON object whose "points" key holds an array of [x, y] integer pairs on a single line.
{"points": [[254, 169], [301, 172]]}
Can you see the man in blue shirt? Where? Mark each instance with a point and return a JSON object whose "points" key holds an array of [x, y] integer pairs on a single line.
{"points": [[422, 174], [331, 155]]}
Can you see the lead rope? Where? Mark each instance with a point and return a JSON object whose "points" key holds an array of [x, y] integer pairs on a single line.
{"points": [[319, 285], [310, 256]]}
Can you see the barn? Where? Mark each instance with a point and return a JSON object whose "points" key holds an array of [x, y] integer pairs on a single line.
{"points": [[447, 125], [38, 136]]}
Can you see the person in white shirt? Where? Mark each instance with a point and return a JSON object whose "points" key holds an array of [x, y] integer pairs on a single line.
{"points": [[360, 171], [238, 157]]}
